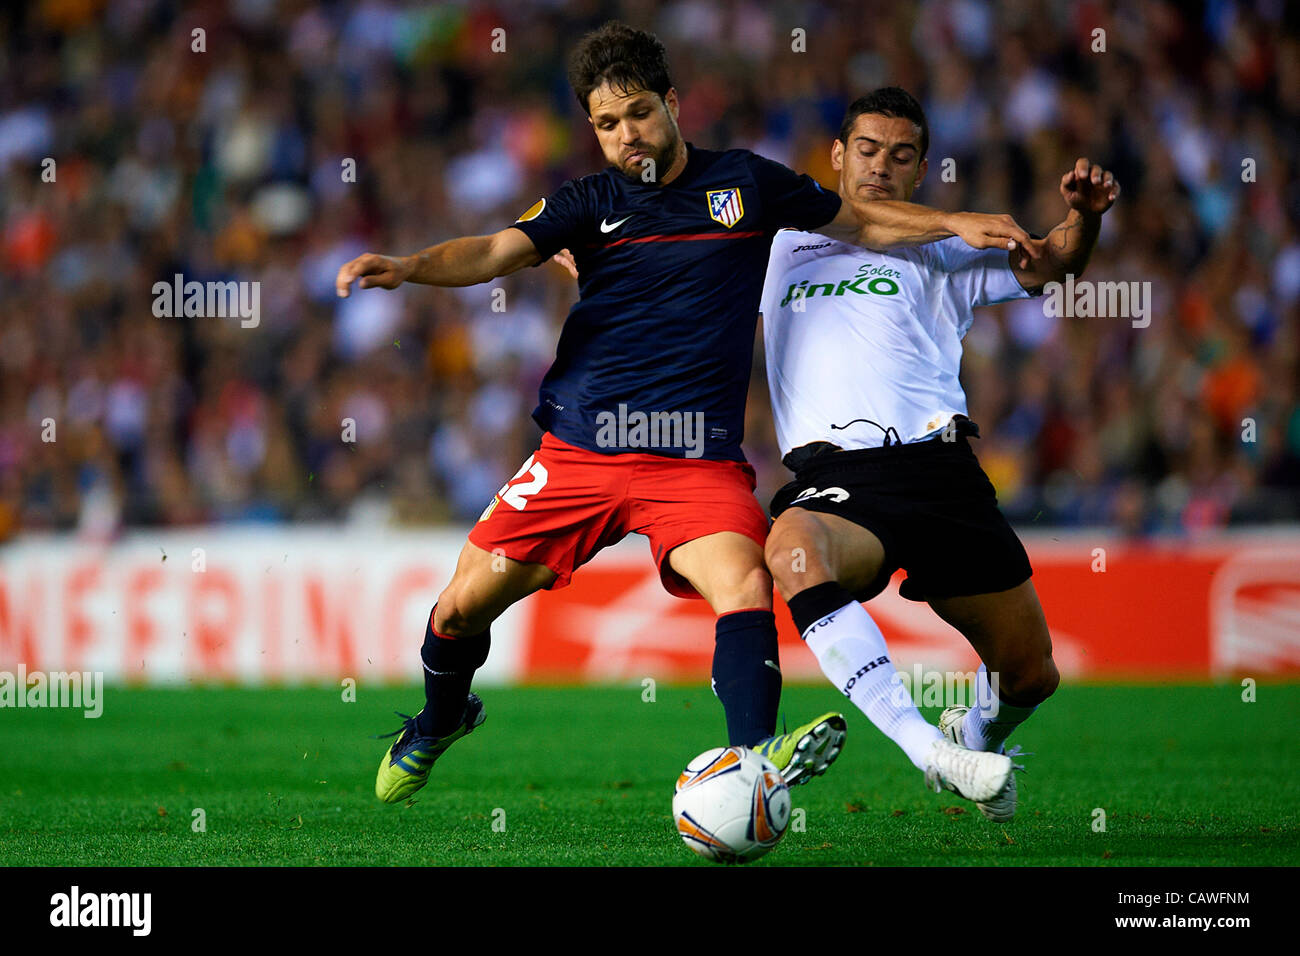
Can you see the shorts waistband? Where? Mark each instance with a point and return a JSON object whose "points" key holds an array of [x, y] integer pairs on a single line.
{"points": [[821, 453]]}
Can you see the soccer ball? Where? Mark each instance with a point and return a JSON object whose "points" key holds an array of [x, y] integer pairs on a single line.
{"points": [[731, 805]]}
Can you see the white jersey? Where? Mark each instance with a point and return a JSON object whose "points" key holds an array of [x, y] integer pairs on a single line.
{"points": [[864, 344]]}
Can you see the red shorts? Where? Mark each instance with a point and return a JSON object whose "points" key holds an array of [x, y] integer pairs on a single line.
{"points": [[565, 504]]}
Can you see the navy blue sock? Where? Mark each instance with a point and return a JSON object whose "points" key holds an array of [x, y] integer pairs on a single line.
{"points": [[747, 675], [449, 666]]}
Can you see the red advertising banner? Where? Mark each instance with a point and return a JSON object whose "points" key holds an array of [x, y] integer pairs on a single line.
{"points": [[317, 605], [231, 606], [1115, 610]]}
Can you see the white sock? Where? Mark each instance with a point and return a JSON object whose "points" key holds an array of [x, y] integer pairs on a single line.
{"points": [[852, 653], [990, 720]]}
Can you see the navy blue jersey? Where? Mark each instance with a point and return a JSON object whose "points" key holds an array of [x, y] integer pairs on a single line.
{"points": [[669, 279]]}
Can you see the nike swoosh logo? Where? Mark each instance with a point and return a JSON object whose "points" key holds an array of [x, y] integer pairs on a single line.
{"points": [[606, 226], [772, 665]]}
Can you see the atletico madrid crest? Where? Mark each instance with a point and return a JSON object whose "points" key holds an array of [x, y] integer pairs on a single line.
{"points": [[725, 206]]}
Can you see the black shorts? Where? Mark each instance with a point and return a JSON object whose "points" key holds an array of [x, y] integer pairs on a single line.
{"points": [[931, 506]]}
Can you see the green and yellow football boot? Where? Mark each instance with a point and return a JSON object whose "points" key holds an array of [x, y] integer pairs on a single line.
{"points": [[405, 768], [806, 751]]}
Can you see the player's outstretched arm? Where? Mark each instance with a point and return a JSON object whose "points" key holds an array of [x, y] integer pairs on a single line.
{"points": [[1089, 191], [879, 224], [457, 262]]}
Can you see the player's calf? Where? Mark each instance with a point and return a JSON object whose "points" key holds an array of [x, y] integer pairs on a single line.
{"points": [[726, 569], [458, 636], [1030, 682], [449, 663], [1009, 632]]}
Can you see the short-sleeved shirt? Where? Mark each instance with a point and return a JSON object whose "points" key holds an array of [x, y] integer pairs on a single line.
{"points": [[655, 356], [864, 348]]}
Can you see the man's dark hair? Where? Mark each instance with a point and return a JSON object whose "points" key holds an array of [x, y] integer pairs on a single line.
{"points": [[625, 58], [888, 101]]}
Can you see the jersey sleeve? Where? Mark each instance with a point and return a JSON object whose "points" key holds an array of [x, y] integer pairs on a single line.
{"points": [[979, 276], [556, 222], [776, 261], [791, 199]]}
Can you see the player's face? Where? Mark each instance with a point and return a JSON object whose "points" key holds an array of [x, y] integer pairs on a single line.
{"points": [[881, 160], [635, 127]]}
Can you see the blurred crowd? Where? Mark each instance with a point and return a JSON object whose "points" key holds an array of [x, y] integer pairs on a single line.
{"points": [[283, 138]]}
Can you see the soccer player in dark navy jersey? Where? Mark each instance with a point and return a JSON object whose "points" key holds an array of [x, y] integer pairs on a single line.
{"points": [[643, 410], [667, 271]]}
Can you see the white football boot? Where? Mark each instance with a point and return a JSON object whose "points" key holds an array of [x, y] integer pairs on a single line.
{"points": [[1001, 807], [977, 775]]}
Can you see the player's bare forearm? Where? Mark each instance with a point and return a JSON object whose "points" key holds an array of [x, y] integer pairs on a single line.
{"points": [[879, 224], [889, 222], [456, 262], [468, 260], [1089, 191], [1065, 251], [882, 223]]}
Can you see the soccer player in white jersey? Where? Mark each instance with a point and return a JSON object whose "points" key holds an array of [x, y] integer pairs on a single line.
{"points": [[863, 352]]}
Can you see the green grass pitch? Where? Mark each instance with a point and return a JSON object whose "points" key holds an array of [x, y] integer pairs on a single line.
{"points": [[1186, 775]]}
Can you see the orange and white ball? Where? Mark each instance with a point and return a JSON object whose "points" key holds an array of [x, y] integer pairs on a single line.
{"points": [[731, 805]]}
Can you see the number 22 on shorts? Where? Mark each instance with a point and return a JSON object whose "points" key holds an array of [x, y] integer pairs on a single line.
{"points": [[516, 495]]}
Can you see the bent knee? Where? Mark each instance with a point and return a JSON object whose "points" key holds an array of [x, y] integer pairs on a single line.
{"points": [[793, 555], [457, 617]]}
